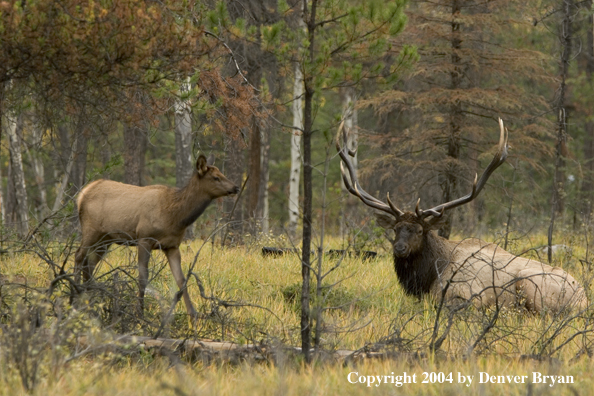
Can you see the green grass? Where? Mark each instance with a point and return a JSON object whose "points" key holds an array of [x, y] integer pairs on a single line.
{"points": [[366, 308]]}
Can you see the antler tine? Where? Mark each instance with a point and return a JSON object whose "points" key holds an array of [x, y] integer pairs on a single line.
{"points": [[353, 185], [393, 207], [477, 186]]}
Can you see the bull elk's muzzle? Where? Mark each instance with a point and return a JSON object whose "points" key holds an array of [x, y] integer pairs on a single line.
{"points": [[401, 250]]}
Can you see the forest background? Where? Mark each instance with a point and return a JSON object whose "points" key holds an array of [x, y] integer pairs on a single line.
{"points": [[135, 91], [132, 93]]}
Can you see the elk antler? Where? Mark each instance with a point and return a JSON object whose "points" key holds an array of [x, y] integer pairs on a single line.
{"points": [[478, 184], [353, 185]]}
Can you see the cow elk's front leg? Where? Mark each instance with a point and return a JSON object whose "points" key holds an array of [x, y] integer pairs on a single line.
{"points": [[174, 258], [144, 256]]}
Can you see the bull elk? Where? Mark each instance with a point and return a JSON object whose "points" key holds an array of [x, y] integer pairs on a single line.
{"points": [[468, 270], [151, 217]]}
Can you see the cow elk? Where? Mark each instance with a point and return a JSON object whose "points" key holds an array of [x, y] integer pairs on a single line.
{"points": [[151, 217], [468, 270]]}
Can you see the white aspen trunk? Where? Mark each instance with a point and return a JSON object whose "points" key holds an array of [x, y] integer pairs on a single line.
{"points": [[183, 138], [39, 170], [18, 173], [62, 186], [296, 150], [264, 178]]}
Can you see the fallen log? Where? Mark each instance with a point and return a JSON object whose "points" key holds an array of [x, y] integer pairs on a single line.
{"points": [[225, 349], [268, 251]]}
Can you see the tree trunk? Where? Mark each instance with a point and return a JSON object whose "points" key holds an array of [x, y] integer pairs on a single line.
{"points": [[255, 159], [10, 201], [134, 151], [558, 200], [296, 150], [234, 167], [38, 169], [587, 189], [309, 89], [450, 182], [79, 167], [183, 140], [264, 178], [15, 129], [61, 187]]}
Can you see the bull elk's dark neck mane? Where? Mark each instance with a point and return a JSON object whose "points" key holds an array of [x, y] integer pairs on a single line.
{"points": [[417, 272], [189, 205]]}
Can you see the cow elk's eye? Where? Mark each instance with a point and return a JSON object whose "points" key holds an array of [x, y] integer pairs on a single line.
{"points": [[216, 178]]}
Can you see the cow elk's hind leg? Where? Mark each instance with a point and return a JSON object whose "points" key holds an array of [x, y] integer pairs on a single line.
{"points": [[174, 258], [86, 258]]}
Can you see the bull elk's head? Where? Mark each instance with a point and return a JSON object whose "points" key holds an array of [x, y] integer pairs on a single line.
{"points": [[411, 227]]}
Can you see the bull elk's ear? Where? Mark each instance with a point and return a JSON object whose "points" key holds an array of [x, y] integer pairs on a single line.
{"points": [[210, 160], [201, 166], [435, 223], [385, 221]]}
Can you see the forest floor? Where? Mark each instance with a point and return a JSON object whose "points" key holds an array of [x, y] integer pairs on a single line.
{"points": [[251, 299]]}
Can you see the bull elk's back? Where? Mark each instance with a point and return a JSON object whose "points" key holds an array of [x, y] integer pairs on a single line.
{"points": [[486, 274]]}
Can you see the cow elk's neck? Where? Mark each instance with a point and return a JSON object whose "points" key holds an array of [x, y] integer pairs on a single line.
{"points": [[190, 202]]}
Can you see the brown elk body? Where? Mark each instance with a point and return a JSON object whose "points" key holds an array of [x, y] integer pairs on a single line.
{"points": [[151, 217], [470, 270]]}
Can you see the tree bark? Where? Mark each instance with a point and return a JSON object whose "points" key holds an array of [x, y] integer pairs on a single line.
{"points": [[296, 159], [61, 187], [38, 169], [79, 167], [233, 168], [587, 188], [255, 159], [557, 199], [134, 151], [15, 128], [309, 91], [450, 182], [263, 209], [183, 140]]}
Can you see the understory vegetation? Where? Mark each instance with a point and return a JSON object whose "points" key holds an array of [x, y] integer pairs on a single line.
{"points": [[56, 339]]}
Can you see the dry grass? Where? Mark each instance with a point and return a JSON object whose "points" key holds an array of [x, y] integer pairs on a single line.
{"points": [[368, 309]]}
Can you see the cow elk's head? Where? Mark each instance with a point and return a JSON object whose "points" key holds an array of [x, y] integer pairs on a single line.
{"points": [[410, 228], [212, 179]]}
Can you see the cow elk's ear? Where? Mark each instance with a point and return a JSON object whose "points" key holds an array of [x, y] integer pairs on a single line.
{"points": [[385, 221], [201, 166]]}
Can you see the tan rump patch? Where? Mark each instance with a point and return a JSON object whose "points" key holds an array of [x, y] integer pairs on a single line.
{"points": [[85, 190]]}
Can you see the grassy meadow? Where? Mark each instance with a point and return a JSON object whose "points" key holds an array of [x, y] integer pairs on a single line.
{"points": [[251, 299]]}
